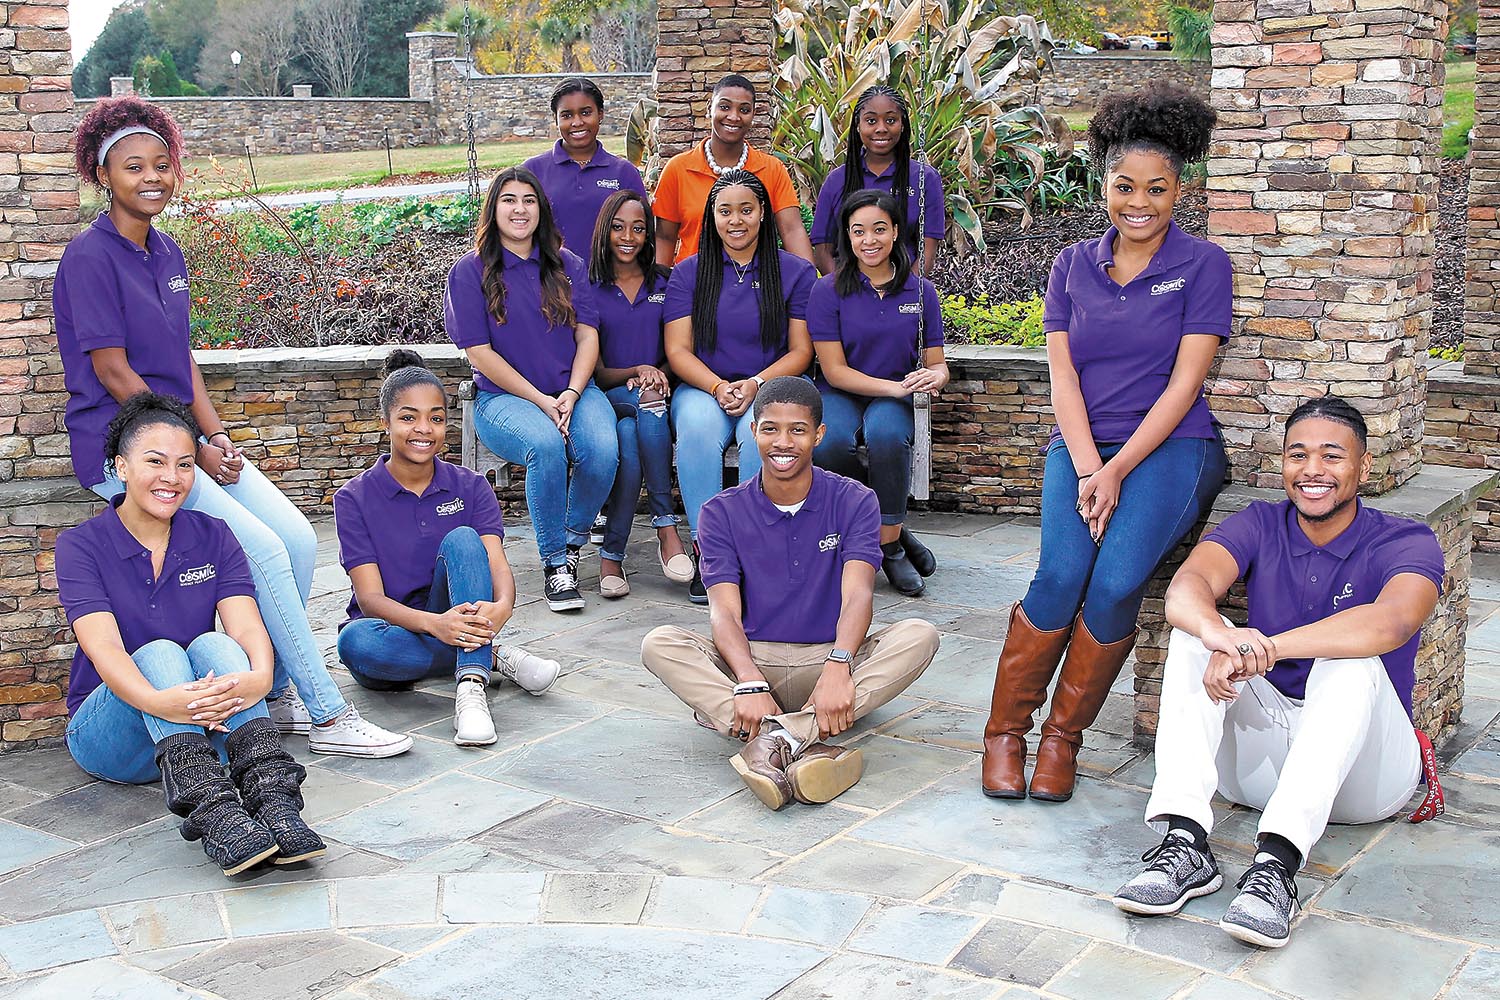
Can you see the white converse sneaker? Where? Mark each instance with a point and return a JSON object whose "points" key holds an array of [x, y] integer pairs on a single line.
{"points": [[527, 671], [472, 724], [351, 735], [289, 712]]}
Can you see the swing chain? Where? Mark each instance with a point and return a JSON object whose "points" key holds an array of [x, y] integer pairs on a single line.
{"points": [[469, 65], [921, 178]]}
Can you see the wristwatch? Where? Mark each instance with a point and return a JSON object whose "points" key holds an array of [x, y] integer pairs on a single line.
{"points": [[757, 380], [842, 656]]}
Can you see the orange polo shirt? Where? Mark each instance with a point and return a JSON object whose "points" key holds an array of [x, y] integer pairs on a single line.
{"points": [[682, 191]]}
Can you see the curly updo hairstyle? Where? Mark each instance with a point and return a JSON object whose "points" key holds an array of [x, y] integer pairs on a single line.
{"points": [[1161, 118], [403, 369], [143, 410], [112, 114]]}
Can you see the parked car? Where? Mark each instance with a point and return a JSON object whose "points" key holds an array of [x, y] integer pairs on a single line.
{"points": [[1163, 40], [1465, 46], [1140, 43], [1077, 48], [1110, 40]]}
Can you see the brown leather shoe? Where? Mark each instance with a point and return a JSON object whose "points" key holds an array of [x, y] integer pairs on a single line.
{"points": [[1087, 674], [822, 772], [1026, 665], [762, 767]]}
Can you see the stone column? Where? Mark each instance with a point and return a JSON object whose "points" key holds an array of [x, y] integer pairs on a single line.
{"points": [[423, 49], [697, 42], [38, 495], [119, 86], [1482, 298]]}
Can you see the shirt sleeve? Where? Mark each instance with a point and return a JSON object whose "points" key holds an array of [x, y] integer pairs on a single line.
{"points": [[92, 294], [823, 310], [779, 186], [666, 201], [861, 534], [1210, 298], [486, 518], [80, 579], [827, 207], [356, 547], [932, 314], [800, 287], [679, 303], [1241, 532], [717, 559], [465, 314], [935, 219], [585, 307], [232, 572], [1414, 550], [1057, 307]]}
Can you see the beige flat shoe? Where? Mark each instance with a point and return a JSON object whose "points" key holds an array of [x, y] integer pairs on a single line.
{"points": [[678, 569], [613, 586]]}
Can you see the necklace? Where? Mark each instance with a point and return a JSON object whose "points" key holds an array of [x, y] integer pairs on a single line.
{"points": [[721, 171], [740, 272]]}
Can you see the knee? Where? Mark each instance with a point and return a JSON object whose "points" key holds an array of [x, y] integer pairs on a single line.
{"points": [[300, 539], [1115, 592], [922, 636], [462, 542], [1349, 680], [884, 437], [164, 663], [220, 652], [657, 643], [1060, 581]]}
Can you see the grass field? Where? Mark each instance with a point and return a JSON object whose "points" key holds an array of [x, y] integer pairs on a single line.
{"points": [[1458, 109]]}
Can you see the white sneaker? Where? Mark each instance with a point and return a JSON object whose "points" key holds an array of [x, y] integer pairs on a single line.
{"points": [[289, 712], [527, 671], [472, 724], [351, 735]]}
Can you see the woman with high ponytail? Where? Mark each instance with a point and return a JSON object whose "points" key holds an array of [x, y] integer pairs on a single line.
{"points": [[1133, 321]]}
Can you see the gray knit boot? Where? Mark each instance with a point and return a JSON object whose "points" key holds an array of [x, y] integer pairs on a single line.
{"points": [[198, 790], [270, 782]]}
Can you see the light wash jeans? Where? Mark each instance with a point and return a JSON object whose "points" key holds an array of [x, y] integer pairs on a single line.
{"points": [[887, 427], [704, 431], [374, 649], [117, 742], [567, 478], [645, 453], [282, 549]]}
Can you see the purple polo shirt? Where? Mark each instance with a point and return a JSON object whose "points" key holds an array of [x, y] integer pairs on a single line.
{"points": [[1124, 340], [789, 567], [1291, 582], [111, 293], [831, 194], [101, 567], [737, 353], [630, 331], [577, 191], [382, 522], [540, 352], [879, 334]]}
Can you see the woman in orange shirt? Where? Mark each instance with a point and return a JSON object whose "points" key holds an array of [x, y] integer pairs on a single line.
{"points": [[682, 191]]}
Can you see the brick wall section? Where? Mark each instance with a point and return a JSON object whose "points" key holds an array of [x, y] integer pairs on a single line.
{"points": [[1482, 299], [1463, 432], [1079, 82], [698, 41], [1322, 187]]}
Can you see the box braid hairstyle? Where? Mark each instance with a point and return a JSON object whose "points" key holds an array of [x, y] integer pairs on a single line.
{"points": [[143, 410], [108, 117], [1160, 118], [846, 269], [773, 311], [557, 289], [854, 177]]}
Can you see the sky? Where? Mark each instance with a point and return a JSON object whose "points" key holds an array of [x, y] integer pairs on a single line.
{"points": [[87, 19]]}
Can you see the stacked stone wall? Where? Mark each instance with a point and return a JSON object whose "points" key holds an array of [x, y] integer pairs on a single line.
{"points": [[698, 41], [515, 107], [1078, 83], [1482, 289]]}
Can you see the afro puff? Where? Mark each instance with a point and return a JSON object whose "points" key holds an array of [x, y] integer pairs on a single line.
{"points": [[146, 409], [108, 117], [1160, 117]]}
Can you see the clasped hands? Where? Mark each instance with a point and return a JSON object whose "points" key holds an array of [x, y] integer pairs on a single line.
{"points": [[1236, 654]]}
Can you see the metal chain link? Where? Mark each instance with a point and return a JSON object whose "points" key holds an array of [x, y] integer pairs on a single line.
{"points": [[921, 220], [469, 65]]}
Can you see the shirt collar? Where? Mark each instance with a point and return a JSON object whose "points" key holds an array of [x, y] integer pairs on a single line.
{"points": [[869, 286], [1341, 547], [770, 513], [154, 242], [560, 155], [509, 258], [1176, 249], [872, 175], [441, 478], [184, 531], [729, 261]]}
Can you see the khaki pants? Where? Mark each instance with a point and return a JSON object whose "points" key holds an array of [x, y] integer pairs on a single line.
{"points": [[884, 666]]}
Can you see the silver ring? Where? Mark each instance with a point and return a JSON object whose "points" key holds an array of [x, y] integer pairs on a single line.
{"points": [[1245, 649]]}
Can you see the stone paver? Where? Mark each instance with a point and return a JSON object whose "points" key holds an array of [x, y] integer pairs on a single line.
{"points": [[604, 840]]}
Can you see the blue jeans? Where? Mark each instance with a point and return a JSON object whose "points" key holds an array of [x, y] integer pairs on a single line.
{"points": [[703, 433], [281, 548], [567, 478], [886, 426], [1160, 501], [373, 648], [645, 452], [117, 742]]}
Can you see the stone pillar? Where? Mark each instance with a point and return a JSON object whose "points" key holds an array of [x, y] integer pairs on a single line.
{"points": [[423, 49], [697, 42], [301, 90], [1482, 298], [119, 86], [38, 495]]}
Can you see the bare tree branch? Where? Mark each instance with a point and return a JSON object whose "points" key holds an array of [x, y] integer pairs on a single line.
{"points": [[332, 40]]}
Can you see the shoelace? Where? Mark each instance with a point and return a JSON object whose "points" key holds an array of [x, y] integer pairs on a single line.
{"points": [[1167, 856], [471, 695], [1262, 879], [562, 578]]}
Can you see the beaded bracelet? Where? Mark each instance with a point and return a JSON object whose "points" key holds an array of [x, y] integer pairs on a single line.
{"points": [[752, 687]]}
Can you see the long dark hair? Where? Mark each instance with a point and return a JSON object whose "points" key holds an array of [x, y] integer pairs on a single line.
{"points": [[773, 313], [854, 176], [557, 290], [846, 281], [601, 254]]}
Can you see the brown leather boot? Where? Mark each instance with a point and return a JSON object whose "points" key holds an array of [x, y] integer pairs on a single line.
{"points": [[822, 772], [1084, 683], [762, 767], [1027, 662]]}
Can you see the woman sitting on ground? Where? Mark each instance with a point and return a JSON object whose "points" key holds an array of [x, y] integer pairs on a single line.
{"points": [[421, 541], [736, 317], [630, 293], [877, 156], [154, 691], [521, 308], [867, 321], [121, 298]]}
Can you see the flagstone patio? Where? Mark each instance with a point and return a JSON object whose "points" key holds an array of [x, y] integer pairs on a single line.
{"points": [[603, 848]]}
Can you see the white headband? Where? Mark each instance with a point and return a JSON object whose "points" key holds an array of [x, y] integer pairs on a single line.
{"points": [[115, 137]]}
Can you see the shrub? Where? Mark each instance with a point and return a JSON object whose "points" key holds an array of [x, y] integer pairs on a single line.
{"points": [[980, 321]]}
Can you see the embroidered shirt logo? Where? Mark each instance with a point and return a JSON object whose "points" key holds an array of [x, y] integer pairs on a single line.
{"points": [[911, 308], [196, 575], [755, 283], [829, 542], [451, 507], [178, 283], [1175, 285], [613, 183], [657, 297], [1345, 594]]}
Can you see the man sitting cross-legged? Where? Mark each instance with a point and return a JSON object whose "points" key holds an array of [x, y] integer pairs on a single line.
{"points": [[789, 560], [1306, 713]]}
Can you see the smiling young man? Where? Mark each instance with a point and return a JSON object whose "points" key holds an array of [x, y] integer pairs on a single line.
{"points": [[789, 560], [1305, 713]]}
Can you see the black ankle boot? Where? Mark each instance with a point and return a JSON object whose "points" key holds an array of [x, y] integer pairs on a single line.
{"points": [[198, 790], [270, 783], [900, 571], [697, 593], [920, 555]]}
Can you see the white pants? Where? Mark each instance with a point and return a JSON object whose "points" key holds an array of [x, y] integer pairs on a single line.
{"points": [[1344, 754]]}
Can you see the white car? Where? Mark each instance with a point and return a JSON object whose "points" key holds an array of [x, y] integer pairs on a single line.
{"points": [[1077, 48], [1141, 43]]}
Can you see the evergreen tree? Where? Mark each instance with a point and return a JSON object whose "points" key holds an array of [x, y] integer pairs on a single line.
{"points": [[387, 22], [127, 36]]}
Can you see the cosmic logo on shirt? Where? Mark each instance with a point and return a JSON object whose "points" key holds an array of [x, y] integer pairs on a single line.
{"points": [[911, 308], [1175, 285], [196, 575], [657, 297], [178, 283], [613, 183], [451, 507], [829, 542]]}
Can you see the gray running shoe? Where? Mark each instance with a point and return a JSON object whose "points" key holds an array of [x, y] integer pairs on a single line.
{"points": [[1177, 872], [1263, 912]]}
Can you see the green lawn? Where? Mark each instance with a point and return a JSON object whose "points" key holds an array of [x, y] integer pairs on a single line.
{"points": [[1458, 109]]}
